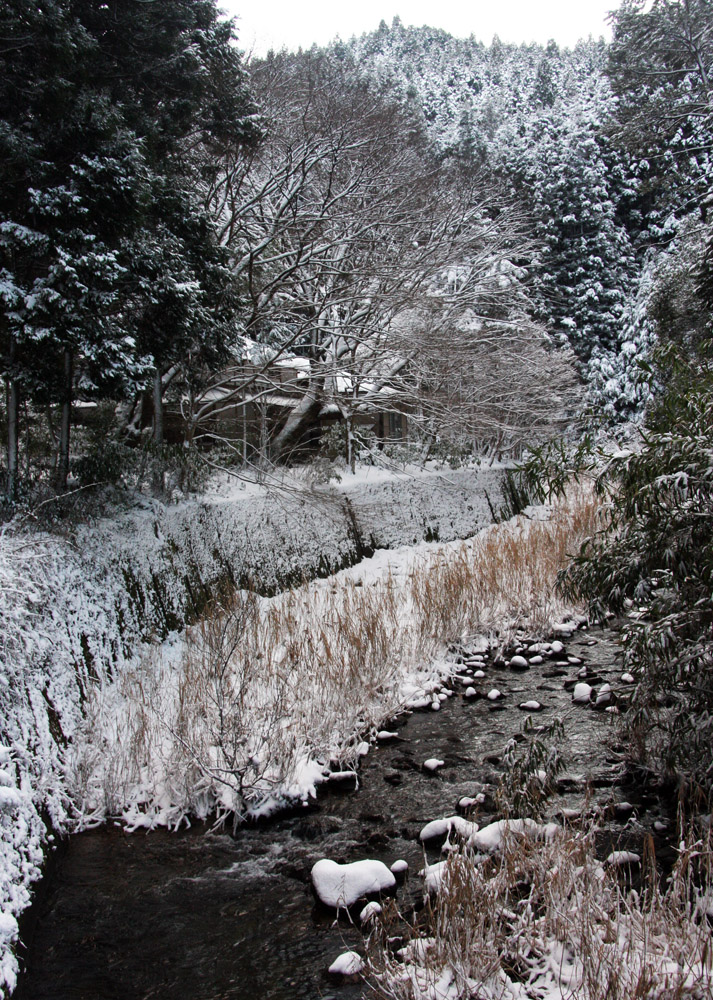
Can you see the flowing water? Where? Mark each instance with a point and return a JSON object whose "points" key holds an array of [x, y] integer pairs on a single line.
{"points": [[204, 915]]}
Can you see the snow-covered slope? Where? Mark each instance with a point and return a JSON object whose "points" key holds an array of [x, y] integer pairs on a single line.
{"points": [[76, 606]]}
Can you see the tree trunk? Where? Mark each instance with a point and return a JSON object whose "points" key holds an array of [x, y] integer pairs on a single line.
{"points": [[306, 411], [157, 408], [65, 423], [158, 477], [351, 454], [13, 407]]}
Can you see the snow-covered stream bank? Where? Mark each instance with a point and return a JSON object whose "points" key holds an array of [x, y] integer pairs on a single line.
{"points": [[76, 608], [207, 915]]}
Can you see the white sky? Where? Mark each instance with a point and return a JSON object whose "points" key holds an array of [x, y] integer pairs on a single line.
{"points": [[294, 23]]}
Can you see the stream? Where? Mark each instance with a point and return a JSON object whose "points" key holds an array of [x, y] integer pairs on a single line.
{"points": [[209, 916]]}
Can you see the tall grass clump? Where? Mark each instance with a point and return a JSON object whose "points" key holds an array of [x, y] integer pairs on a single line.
{"points": [[505, 578], [254, 703], [548, 921]]}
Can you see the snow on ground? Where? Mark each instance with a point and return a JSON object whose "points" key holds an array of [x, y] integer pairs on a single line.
{"points": [[78, 609]]}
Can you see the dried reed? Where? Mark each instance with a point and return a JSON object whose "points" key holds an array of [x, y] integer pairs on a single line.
{"points": [[231, 718], [549, 922]]}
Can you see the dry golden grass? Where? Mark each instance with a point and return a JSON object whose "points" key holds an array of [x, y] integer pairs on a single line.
{"points": [[505, 577], [548, 920], [261, 686]]}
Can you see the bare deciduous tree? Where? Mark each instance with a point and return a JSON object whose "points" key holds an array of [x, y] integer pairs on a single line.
{"points": [[390, 272]]}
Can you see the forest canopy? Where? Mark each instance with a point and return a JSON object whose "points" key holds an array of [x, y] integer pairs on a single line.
{"points": [[406, 229]]}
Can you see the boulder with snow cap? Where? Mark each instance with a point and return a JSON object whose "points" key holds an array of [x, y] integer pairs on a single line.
{"points": [[582, 694], [340, 886], [618, 858], [442, 828], [491, 838], [370, 911], [349, 963], [604, 696]]}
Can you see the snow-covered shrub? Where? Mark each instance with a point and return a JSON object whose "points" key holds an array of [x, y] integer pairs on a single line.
{"points": [[656, 554], [56, 632]]}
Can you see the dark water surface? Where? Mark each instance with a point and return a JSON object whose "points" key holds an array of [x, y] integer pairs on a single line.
{"points": [[197, 915]]}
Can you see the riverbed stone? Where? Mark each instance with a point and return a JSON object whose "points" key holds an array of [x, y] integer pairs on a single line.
{"points": [[342, 885], [582, 694]]}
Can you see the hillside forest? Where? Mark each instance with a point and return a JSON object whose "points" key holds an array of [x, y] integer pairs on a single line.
{"points": [[211, 263]]}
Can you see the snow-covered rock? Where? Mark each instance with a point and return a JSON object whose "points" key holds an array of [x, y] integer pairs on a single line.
{"points": [[349, 963], [492, 837], [531, 706], [433, 875], [399, 867], [342, 885], [623, 858], [371, 910], [518, 663], [604, 696], [494, 695], [442, 827], [582, 693], [433, 763], [343, 777]]}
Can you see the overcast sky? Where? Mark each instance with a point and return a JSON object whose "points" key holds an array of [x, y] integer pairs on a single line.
{"points": [[265, 24]]}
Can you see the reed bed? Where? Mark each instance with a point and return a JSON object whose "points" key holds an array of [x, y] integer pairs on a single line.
{"points": [[548, 921], [254, 704]]}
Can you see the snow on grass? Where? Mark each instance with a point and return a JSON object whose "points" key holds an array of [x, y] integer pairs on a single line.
{"points": [[252, 706], [546, 920]]}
